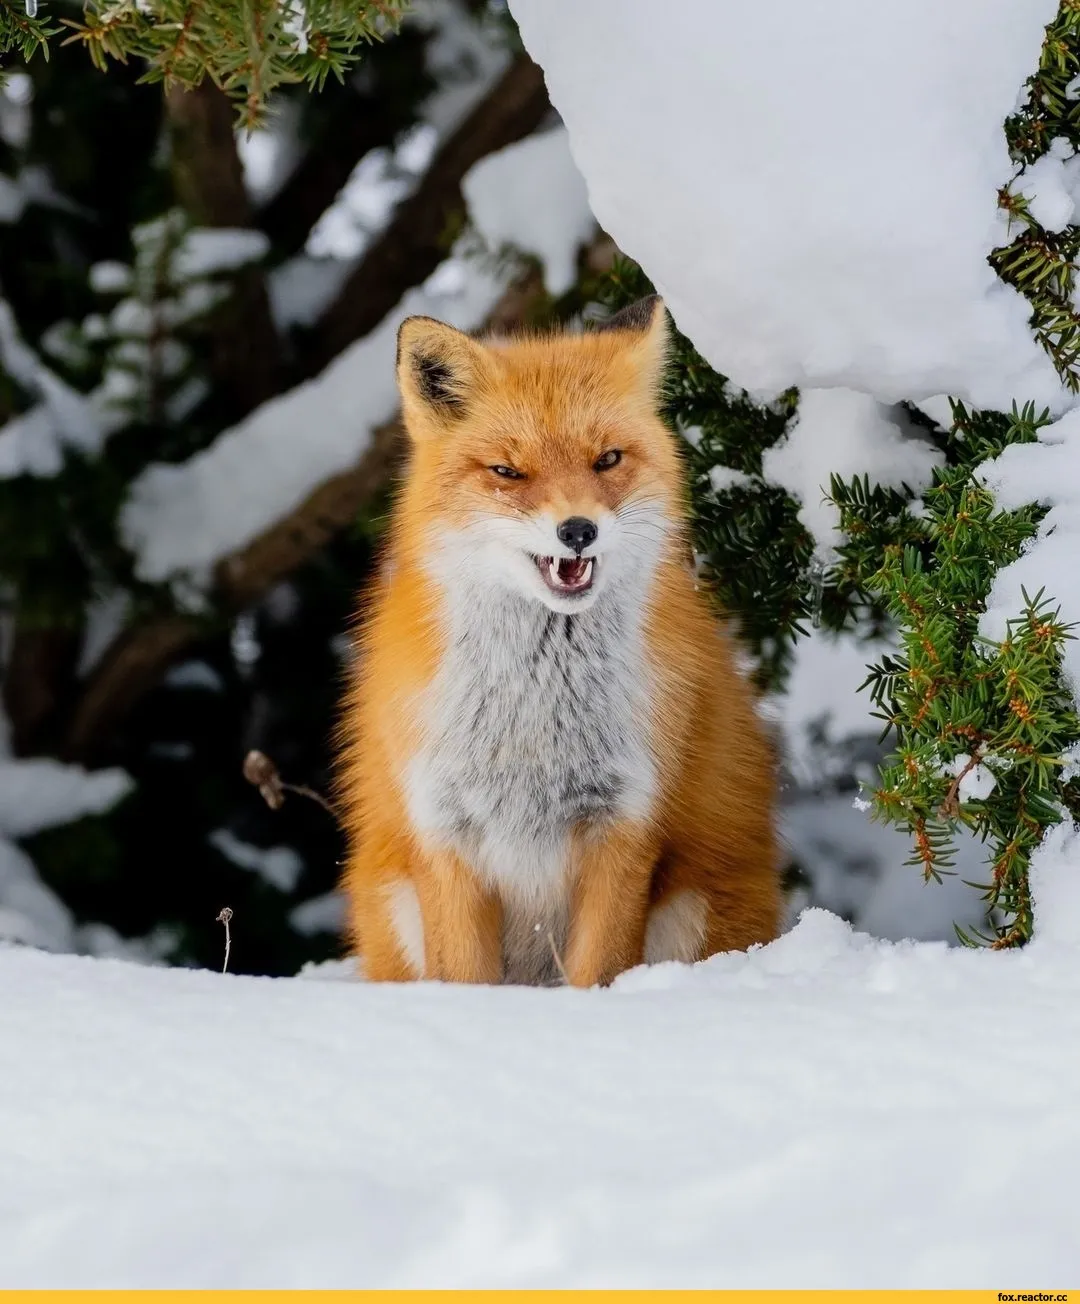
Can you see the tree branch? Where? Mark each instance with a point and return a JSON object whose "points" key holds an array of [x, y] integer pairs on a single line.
{"points": [[345, 125], [37, 683], [132, 665], [417, 239]]}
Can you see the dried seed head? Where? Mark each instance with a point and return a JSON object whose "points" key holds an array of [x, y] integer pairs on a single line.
{"points": [[261, 771]]}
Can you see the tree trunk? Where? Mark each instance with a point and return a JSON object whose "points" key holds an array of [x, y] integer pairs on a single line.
{"points": [[246, 366]]}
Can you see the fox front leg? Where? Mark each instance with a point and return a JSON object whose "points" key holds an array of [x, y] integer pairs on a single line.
{"points": [[610, 905], [466, 923]]}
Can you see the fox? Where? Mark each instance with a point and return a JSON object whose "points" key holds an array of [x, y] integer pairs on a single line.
{"points": [[551, 765]]}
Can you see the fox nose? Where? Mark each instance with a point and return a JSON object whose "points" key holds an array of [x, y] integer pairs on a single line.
{"points": [[577, 532]]}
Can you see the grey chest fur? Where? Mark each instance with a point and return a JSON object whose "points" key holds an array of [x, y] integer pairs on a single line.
{"points": [[534, 724]]}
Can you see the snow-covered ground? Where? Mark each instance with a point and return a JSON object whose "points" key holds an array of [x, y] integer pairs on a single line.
{"points": [[828, 1111]]}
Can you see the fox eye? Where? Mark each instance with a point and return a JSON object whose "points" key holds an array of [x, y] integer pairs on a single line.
{"points": [[507, 472], [607, 460]]}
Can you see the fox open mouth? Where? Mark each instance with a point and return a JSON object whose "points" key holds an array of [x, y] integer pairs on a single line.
{"points": [[567, 575]]}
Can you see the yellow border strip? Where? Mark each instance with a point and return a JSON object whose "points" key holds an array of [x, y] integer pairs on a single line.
{"points": [[557, 1296]]}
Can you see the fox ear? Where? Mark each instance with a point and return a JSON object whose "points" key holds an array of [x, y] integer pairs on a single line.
{"points": [[645, 325], [637, 316], [438, 369]]}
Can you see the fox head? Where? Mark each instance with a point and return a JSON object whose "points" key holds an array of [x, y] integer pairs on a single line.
{"points": [[541, 464]]}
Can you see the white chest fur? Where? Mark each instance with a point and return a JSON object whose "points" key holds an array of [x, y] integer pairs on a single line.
{"points": [[536, 723]]}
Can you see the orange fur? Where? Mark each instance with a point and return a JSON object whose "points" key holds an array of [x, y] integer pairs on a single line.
{"points": [[550, 406]]}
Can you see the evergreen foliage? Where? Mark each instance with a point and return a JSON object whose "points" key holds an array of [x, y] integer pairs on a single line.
{"points": [[247, 47]]}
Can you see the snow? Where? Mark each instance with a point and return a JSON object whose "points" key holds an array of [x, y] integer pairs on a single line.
{"points": [[302, 288], [12, 200], [110, 277], [362, 208], [269, 153], [34, 795], [856, 869], [16, 95], [977, 783], [29, 911], [197, 675], [465, 54], [1055, 885], [530, 196], [281, 867], [811, 1114], [32, 443], [841, 432], [39, 793], [321, 914], [1045, 472], [820, 703], [211, 251], [788, 260], [1049, 185]]}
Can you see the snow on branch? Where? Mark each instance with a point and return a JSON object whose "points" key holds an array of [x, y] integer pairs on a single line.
{"points": [[843, 239]]}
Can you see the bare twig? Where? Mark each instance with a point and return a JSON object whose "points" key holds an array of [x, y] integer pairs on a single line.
{"points": [[555, 954], [262, 773], [950, 807], [558, 959], [224, 918]]}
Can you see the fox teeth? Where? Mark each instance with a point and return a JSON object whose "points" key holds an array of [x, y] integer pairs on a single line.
{"points": [[588, 571]]}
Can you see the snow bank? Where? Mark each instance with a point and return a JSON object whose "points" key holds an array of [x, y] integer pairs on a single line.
{"points": [[842, 240], [531, 196], [819, 1113]]}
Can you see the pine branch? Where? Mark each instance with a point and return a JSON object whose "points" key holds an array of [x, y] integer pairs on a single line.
{"points": [[349, 124], [248, 48]]}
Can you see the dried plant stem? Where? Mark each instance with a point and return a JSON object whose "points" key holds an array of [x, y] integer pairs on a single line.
{"points": [[302, 790], [223, 918], [950, 807], [262, 773], [557, 958]]}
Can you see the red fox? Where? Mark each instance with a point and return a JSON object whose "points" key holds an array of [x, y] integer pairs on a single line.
{"points": [[551, 768]]}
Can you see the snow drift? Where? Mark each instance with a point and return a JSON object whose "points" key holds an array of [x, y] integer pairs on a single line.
{"points": [[828, 1111]]}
